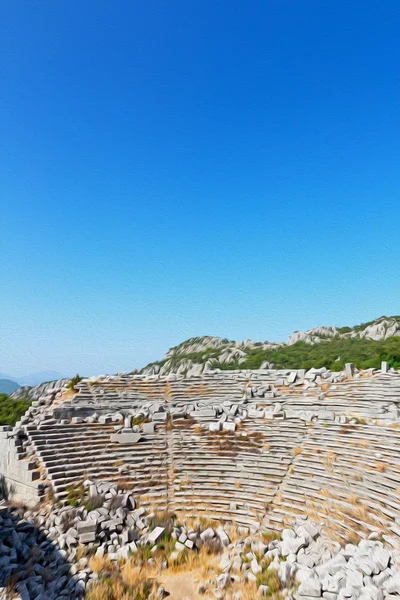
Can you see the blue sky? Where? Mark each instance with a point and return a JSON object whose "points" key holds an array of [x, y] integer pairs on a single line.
{"points": [[173, 169]]}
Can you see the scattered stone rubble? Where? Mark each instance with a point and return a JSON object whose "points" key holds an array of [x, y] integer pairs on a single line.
{"points": [[41, 553], [308, 565]]}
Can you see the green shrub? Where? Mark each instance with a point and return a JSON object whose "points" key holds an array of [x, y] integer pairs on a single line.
{"points": [[12, 410], [93, 502], [75, 494], [363, 353], [71, 385]]}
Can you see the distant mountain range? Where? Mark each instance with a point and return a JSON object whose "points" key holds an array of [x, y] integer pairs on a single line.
{"points": [[365, 345], [8, 383], [8, 386]]}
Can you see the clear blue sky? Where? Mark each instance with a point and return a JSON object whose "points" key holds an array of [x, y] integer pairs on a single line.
{"points": [[172, 169]]}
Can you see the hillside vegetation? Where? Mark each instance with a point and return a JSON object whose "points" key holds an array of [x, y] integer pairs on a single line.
{"points": [[365, 345], [332, 354], [12, 410]]}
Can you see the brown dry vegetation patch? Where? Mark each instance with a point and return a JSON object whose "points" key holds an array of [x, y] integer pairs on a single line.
{"points": [[198, 390]]}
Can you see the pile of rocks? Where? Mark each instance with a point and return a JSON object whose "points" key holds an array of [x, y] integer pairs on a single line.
{"points": [[307, 565], [44, 552], [31, 565]]}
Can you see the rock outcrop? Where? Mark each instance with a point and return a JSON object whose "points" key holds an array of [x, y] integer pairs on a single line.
{"points": [[34, 393], [198, 355]]}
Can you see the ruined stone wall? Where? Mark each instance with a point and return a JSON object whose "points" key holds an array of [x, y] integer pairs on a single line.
{"points": [[17, 480]]}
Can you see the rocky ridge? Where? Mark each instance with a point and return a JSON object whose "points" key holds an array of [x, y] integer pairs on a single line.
{"points": [[198, 355], [42, 389]]}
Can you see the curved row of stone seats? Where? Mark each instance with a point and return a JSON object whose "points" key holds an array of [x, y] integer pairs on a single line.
{"points": [[374, 397], [363, 396], [143, 387], [71, 453], [231, 475], [217, 384], [368, 397], [348, 476]]}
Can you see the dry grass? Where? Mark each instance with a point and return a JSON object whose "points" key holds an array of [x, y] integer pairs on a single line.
{"points": [[193, 561], [131, 574], [200, 523], [10, 587], [126, 582], [167, 390], [297, 450], [81, 552], [198, 390], [353, 499], [381, 467], [100, 564], [329, 461]]}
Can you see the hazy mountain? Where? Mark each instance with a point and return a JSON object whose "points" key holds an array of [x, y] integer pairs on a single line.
{"points": [[8, 386], [41, 377], [9, 383]]}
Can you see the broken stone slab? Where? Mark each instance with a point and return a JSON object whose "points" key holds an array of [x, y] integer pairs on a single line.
{"points": [[148, 427], [160, 416], [326, 415], [179, 546], [255, 567], [207, 534], [254, 413], [223, 580], [155, 535], [205, 413], [228, 426], [214, 426], [105, 419], [86, 538], [310, 586], [125, 438], [86, 527], [223, 536]]}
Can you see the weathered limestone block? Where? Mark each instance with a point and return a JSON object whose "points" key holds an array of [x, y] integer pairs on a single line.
{"points": [[125, 438]]}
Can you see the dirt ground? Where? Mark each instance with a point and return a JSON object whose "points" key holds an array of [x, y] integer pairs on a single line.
{"points": [[181, 586]]}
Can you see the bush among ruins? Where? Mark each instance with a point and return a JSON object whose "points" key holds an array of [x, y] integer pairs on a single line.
{"points": [[75, 494], [72, 383], [140, 420], [270, 536], [163, 519], [12, 410], [94, 502]]}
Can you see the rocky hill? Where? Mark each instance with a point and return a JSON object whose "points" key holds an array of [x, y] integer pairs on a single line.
{"points": [[32, 393], [365, 345]]}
